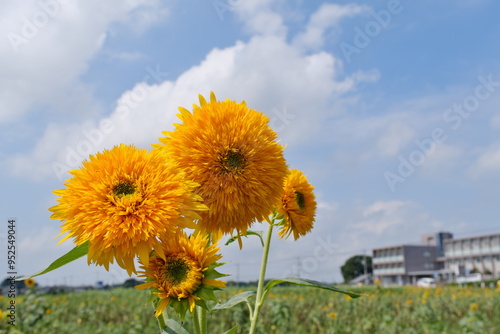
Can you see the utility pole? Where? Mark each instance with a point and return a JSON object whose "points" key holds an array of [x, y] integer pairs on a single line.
{"points": [[238, 275], [365, 266]]}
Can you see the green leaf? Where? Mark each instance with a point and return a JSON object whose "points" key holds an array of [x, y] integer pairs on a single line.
{"points": [[235, 300], [211, 273], [206, 293], [257, 233], [232, 330], [70, 256], [173, 327], [180, 307], [309, 283]]}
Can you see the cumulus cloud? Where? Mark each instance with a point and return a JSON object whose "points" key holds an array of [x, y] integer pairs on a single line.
{"points": [[327, 16], [381, 216], [49, 45], [271, 74]]}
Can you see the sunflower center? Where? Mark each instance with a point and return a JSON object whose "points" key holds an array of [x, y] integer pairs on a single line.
{"points": [[176, 270], [124, 188], [301, 201], [233, 161]]}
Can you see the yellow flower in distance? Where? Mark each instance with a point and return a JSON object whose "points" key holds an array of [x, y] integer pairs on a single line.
{"points": [[29, 282], [297, 205], [186, 273], [230, 150], [123, 201]]}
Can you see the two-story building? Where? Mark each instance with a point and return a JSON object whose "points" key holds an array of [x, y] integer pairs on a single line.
{"points": [[479, 254], [404, 264], [440, 256]]}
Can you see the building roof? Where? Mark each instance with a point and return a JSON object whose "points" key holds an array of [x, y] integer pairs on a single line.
{"points": [[473, 237], [401, 246]]}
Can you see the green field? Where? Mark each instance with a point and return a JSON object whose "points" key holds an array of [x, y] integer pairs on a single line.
{"points": [[287, 310]]}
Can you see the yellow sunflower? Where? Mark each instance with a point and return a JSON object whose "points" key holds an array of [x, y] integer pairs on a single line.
{"points": [[230, 150], [297, 205], [29, 282], [186, 276], [123, 201]]}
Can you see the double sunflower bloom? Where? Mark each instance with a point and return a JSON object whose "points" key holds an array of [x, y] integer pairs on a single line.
{"points": [[218, 172]]}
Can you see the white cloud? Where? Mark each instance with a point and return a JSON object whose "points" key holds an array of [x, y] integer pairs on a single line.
{"points": [[328, 206], [395, 137], [272, 75], [442, 159], [127, 56], [327, 16], [488, 161], [49, 44], [260, 18], [381, 216]]}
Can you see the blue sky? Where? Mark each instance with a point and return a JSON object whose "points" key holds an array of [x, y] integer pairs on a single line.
{"points": [[389, 107]]}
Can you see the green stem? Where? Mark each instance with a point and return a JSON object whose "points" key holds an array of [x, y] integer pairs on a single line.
{"points": [[259, 300], [161, 319], [196, 321], [203, 320]]}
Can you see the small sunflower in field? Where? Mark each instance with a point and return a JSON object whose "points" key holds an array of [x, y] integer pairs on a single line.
{"points": [[186, 276], [123, 201], [29, 282], [297, 205], [232, 152]]}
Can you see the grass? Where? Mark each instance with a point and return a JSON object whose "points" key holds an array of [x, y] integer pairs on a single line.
{"points": [[287, 310]]}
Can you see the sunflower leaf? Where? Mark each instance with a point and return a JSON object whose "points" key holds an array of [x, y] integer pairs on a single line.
{"points": [[235, 300], [309, 283], [257, 233], [232, 330], [72, 255], [173, 327], [207, 294], [202, 303], [180, 307], [211, 273]]}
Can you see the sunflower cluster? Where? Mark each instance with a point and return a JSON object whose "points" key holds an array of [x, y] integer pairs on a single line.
{"points": [[218, 172]]}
